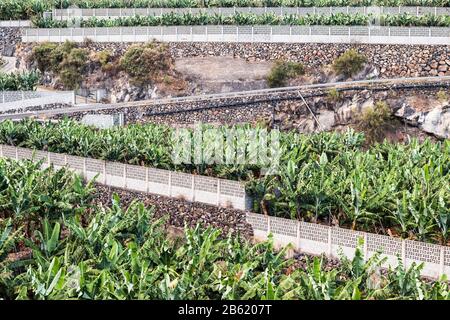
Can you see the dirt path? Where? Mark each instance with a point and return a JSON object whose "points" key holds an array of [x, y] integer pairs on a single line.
{"points": [[224, 74]]}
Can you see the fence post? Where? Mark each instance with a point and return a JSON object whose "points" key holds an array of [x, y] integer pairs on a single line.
{"points": [[125, 176], [252, 34], [268, 225], [192, 36], [404, 252], [84, 168], [365, 246], [104, 172], [237, 34], [441, 261], [1, 150], [329, 242], [170, 183], [218, 192], [147, 187], [193, 187], [298, 235]]}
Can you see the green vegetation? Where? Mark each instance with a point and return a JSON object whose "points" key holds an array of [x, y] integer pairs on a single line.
{"points": [[111, 253], [19, 81], [283, 71], [25, 9], [333, 95], [349, 63], [398, 189], [442, 96], [375, 121], [147, 62], [66, 60], [172, 19]]}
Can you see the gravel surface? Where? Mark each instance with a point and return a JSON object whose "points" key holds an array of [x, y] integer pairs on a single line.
{"points": [[181, 212]]}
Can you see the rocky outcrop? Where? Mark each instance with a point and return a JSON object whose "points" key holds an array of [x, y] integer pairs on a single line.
{"points": [[435, 121]]}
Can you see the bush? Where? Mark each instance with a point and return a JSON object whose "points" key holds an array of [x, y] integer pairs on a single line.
{"points": [[282, 71], [145, 63], [442, 96], [42, 55], [333, 95], [349, 63], [72, 67], [65, 60], [374, 121]]}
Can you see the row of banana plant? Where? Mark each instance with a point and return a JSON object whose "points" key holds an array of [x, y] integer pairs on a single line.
{"points": [[113, 253], [25, 9], [395, 189], [27, 81], [175, 19]]}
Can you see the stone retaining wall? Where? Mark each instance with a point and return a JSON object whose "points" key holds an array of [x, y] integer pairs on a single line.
{"points": [[391, 60]]}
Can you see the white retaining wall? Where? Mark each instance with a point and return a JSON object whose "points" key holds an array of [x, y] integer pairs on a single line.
{"points": [[262, 33], [319, 239], [15, 23], [306, 237], [190, 187], [64, 14], [10, 100]]}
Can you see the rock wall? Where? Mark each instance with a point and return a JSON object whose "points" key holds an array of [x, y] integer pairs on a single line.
{"points": [[9, 38], [390, 60], [288, 112]]}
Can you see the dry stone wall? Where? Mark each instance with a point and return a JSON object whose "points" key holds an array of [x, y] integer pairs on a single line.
{"points": [[390, 60]]}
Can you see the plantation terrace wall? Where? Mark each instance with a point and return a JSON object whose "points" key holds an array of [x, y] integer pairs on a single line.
{"points": [[190, 187], [10, 100], [252, 34], [306, 237]]}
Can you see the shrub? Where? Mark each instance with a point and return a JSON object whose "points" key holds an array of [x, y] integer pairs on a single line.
{"points": [[65, 60], [42, 55], [349, 63], [145, 63], [282, 71], [58, 55], [374, 121], [71, 68], [333, 95], [442, 96], [104, 57]]}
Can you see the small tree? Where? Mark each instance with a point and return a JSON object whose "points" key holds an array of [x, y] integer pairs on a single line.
{"points": [[282, 71], [349, 63]]}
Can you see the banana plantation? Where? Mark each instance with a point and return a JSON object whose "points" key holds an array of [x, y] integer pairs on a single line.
{"points": [[400, 190], [26, 81], [26, 9], [55, 244], [187, 19]]}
